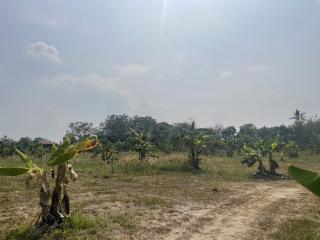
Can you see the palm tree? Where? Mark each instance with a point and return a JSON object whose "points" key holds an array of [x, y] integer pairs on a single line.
{"points": [[298, 116]]}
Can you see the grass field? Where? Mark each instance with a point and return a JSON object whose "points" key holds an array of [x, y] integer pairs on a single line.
{"points": [[162, 200]]}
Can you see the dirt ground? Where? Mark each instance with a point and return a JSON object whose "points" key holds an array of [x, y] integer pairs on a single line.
{"points": [[164, 207]]}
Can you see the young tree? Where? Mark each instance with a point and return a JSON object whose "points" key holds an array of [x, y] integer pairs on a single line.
{"points": [[256, 154], [142, 144], [55, 203], [109, 152], [292, 149], [196, 142], [253, 155]]}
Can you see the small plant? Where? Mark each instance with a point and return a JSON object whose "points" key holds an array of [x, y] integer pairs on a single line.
{"points": [[55, 203], [109, 152], [292, 149], [253, 155], [142, 144], [257, 153], [196, 142]]}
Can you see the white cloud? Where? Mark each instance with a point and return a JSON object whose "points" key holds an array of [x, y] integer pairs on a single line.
{"points": [[249, 69], [97, 82], [257, 68], [226, 74], [131, 69], [42, 51]]}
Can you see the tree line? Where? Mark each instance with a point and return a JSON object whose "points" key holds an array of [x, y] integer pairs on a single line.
{"points": [[134, 133]]}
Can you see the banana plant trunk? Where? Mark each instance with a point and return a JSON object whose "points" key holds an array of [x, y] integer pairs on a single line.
{"points": [[272, 164], [261, 169], [55, 204]]}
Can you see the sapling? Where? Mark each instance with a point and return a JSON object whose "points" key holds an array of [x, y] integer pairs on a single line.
{"points": [[143, 145], [196, 142], [54, 201], [109, 152], [257, 152]]}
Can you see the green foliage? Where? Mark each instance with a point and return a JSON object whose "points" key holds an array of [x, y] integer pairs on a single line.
{"points": [[298, 115], [67, 152], [257, 152], [196, 142], [7, 147], [308, 179], [291, 149], [142, 144], [58, 156], [81, 130], [13, 171]]}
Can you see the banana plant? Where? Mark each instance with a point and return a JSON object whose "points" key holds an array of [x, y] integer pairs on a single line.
{"points": [[253, 155], [307, 178], [143, 145], [196, 142], [55, 203], [292, 149], [257, 152]]}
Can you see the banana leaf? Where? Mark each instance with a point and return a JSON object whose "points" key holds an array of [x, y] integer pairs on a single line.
{"points": [[24, 157], [83, 145], [15, 171], [308, 179], [62, 158]]}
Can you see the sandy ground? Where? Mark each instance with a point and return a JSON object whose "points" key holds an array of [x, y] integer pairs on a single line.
{"points": [[240, 216], [171, 208]]}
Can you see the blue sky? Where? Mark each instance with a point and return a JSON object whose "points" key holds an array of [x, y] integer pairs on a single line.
{"points": [[216, 61]]}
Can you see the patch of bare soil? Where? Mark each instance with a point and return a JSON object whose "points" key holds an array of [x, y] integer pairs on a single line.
{"points": [[166, 207], [242, 215]]}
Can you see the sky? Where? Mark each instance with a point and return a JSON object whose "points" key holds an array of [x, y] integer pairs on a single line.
{"points": [[226, 62]]}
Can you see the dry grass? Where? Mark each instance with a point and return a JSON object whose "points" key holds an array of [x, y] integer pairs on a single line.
{"points": [[140, 201]]}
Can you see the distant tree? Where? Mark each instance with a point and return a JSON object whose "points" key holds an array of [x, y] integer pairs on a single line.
{"points": [[248, 134], [24, 144], [228, 138], [177, 136], [161, 137], [142, 124], [80, 129], [7, 146], [36, 149], [115, 128], [299, 116], [228, 132]]}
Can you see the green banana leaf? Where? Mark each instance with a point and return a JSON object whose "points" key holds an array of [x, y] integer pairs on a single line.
{"points": [[308, 179], [7, 171], [57, 151], [83, 145], [24, 157], [62, 158]]}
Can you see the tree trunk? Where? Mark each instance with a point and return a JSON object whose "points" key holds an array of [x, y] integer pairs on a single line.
{"points": [[261, 169], [55, 205], [272, 164]]}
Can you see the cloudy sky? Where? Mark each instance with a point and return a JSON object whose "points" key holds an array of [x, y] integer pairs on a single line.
{"points": [[216, 61]]}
